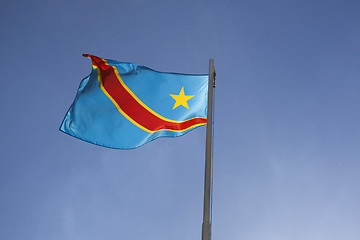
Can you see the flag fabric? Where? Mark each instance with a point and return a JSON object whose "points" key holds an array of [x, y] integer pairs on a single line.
{"points": [[125, 105]]}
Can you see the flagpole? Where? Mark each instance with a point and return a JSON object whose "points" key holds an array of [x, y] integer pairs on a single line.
{"points": [[207, 217]]}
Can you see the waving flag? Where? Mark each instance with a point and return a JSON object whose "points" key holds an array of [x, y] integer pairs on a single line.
{"points": [[125, 105]]}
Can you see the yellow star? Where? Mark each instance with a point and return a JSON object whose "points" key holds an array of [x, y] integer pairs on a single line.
{"points": [[181, 99]]}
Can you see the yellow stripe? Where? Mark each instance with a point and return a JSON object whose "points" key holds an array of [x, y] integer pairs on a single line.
{"points": [[140, 102]]}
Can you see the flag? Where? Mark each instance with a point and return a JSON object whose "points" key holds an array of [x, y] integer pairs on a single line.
{"points": [[125, 105]]}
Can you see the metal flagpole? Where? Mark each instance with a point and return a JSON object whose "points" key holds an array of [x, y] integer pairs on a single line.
{"points": [[207, 217]]}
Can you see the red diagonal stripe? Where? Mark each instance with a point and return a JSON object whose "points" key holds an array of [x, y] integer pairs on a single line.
{"points": [[132, 107]]}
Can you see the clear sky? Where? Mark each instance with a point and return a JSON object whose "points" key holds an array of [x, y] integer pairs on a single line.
{"points": [[287, 114]]}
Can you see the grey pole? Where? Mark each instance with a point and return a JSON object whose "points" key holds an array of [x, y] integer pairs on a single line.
{"points": [[207, 217]]}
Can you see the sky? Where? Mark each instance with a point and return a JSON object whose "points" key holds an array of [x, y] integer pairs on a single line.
{"points": [[287, 134]]}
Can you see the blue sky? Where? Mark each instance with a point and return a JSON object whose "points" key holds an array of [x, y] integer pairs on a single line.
{"points": [[287, 135]]}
